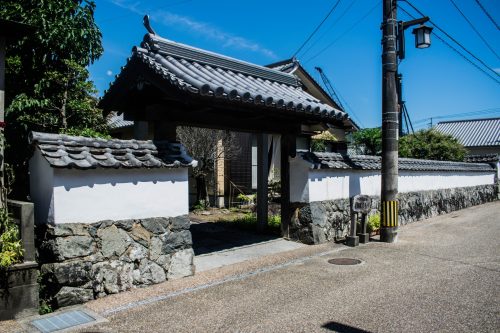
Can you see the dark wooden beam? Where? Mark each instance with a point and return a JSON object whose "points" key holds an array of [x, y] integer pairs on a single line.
{"points": [[262, 175], [287, 142]]}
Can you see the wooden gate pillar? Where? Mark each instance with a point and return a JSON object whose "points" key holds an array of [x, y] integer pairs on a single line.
{"points": [[262, 175], [287, 150]]}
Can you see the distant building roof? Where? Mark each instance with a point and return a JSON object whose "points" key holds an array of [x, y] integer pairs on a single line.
{"points": [[364, 162], [474, 132], [64, 151], [208, 75], [116, 121]]}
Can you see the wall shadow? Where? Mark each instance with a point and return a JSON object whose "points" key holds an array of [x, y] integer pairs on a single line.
{"points": [[342, 328], [218, 236]]}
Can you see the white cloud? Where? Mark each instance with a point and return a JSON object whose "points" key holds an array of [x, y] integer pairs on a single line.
{"points": [[109, 73], [205, 29]]}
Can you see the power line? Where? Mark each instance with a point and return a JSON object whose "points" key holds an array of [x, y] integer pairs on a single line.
{"points": [[463, 114], [474, 28], [456, 51], [453, 39], [317, 28], [487, 14], [329, 28], [345, 32]]}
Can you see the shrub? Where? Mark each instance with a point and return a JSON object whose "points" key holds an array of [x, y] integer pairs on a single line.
{"points": [[11, 251], [373, 223]]}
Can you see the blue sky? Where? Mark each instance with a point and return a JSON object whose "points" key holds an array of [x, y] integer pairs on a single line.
{"points": [[437, 81]]}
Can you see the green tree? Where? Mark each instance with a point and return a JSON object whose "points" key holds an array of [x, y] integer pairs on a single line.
{"points": [[47, 82], [368, 141], [432, 145]]}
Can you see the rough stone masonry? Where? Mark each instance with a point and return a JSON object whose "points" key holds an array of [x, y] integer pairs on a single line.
{"points": [[80, 262], [323, 221]]}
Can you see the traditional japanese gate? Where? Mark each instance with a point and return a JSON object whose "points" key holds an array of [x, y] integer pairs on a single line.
{"points": [[166, 84]]}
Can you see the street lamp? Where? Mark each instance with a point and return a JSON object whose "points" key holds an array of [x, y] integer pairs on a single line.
{"points": [[393, 47], [422, 36]]}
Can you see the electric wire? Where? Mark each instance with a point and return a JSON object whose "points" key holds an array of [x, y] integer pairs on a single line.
{"points": [[453, 39], [329, 28], [317, 28], [458, 115], [344, 33], [337, 96], [457, 51], [488, 14], [474, 28]]}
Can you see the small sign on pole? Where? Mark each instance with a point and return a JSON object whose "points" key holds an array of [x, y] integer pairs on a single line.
{"points": [[361, 205]]}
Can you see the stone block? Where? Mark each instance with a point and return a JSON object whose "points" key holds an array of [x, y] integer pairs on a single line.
{"points": [[19, 293], [140, 234], [24, 213], [72, 295], [63, 248], [181, 264], [156, 225], [72, 273], [151, 272], [125, 224], [69, 229], [173, 241], [114, 241], [180, 223]]}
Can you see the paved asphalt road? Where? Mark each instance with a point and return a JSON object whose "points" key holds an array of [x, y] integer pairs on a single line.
{"points": [[442, 275]]}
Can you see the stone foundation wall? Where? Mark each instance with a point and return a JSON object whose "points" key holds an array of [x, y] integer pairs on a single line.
{"points": [[323, 221], [80, 262]]}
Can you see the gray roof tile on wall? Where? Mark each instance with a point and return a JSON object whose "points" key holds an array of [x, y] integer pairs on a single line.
{"points": [[116, 121], [364, 162], [486, 158], [65, 151], [212, 75], [474, 132]]}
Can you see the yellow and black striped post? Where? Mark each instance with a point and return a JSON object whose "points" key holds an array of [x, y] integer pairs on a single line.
{"points": [[389, 214]]}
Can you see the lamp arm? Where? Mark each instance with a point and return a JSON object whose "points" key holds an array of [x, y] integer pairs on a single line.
{"points": [[411, 23]]}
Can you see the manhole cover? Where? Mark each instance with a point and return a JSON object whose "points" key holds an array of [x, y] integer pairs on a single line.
{"points": [[344, 261]]}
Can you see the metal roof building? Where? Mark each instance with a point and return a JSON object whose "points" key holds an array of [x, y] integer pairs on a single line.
{"points": [[479, 136]]}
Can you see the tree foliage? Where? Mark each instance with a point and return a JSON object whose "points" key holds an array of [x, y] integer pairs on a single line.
{"points": [[432, 145], [424, 144], [368, 141], [207, 146], [47, 82]]}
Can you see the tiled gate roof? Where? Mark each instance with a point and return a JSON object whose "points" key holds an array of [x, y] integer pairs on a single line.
{"points": [[210, 75]]}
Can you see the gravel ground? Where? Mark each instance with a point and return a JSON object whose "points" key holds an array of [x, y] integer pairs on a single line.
{"points": [[442, 275]]}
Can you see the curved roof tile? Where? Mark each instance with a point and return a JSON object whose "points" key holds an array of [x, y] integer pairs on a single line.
{"points": [[65, 151], [364, 162], [209, 74]]}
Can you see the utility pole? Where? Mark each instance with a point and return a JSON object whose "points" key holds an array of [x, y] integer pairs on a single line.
{"points": [[390, 127]]}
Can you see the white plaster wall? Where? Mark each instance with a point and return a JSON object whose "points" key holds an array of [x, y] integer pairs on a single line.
{"points": [[299, 180], [86, 196], [41, 192], [308, 185], [422, 181]]}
